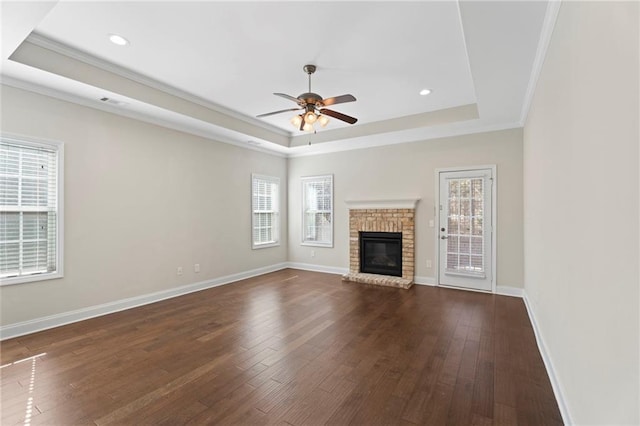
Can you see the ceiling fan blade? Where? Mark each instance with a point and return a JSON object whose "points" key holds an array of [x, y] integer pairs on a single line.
{"points": [[338, 100], [291, 98], [277, 112], [338, 115]]}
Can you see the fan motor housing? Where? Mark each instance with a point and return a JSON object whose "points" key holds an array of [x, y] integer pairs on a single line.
{"points": [[310, 98], [309, 69]]}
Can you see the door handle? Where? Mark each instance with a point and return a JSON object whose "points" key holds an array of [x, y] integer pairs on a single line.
{"points": [[444, 237]]}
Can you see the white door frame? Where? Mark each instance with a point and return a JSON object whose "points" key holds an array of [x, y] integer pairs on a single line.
{"points": [[494, 221]]}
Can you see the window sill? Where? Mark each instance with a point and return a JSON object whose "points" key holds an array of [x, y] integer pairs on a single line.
{"points": [[30, 278], [265, 245], [316, 244]]}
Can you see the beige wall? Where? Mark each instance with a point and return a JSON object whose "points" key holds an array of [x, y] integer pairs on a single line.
{"points": [[406, 171], [140, 200], [581, 209]]}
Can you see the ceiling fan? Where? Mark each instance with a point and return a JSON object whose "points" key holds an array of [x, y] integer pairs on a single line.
{"points": [[314, 107]]}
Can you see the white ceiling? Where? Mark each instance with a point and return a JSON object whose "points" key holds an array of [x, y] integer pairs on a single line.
{"points": [[210, 67]]}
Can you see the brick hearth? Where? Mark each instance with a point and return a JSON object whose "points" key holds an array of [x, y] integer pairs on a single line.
{"points": [[382, 220]]}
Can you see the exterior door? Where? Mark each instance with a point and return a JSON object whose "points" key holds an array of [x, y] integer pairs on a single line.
{"points": [[465, 229]]}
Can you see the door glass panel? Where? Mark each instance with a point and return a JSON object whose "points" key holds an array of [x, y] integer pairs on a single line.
{"points": [[476, 225], [465, 248], [477, 246], [465, 188], [452, 245], [452, 261], [453, 224]]}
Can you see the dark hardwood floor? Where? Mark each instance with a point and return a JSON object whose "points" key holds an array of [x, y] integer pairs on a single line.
{"points": [[288, 348]]}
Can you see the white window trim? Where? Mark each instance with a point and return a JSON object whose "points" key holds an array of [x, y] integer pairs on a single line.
{"points": [[275, 243], [304, 242], [59, 147]]}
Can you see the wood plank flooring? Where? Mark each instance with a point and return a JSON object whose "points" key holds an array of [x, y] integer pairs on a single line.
{"points": [[287, 348]]}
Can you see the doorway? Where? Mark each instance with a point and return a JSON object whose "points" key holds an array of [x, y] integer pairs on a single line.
{"points": [[466, 228]]}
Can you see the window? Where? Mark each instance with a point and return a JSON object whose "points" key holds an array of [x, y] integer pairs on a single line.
{"points": [[30, 211], [317, 211], [466, 239], [265, 207]]}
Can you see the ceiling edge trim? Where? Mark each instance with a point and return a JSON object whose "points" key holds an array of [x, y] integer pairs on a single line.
{"points": [[62, 49], [551, 15], [425, 120], [57, 94], [449, 134], [63, 96], [466, 51]]}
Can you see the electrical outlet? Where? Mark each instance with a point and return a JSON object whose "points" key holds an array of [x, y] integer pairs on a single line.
{"points": [[313, 253], [428, 263], [196, 268], [179, 272]]}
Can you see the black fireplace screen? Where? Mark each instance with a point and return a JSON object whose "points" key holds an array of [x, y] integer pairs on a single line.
{"points": [[381, 253]]}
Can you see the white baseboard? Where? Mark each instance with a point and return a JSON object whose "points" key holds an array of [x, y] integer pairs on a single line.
{"points": [[555, 384], [317, 268], [44, 323], [504, 290], [431, 281], [501, 290]]}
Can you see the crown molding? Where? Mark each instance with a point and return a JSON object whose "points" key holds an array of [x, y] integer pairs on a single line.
{"points": [[64, 96], [285, 152], [62, 49], [341, 145], [456, 114], [441, 126], [549, 23]]}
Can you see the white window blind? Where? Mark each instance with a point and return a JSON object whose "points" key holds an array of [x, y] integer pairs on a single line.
{"points": [[317, 210], [265, 207], [29, 212], [465, 245]]}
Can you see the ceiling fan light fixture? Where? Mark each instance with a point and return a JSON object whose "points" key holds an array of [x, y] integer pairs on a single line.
{"points": [[323, 120], [296, 120], [313, 106], [310, 117]]}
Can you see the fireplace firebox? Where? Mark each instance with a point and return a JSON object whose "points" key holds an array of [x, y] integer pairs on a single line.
{"points": [[381, 253]]}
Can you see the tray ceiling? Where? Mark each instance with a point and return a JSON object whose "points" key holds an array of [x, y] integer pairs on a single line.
{"points": [[211, 67]]}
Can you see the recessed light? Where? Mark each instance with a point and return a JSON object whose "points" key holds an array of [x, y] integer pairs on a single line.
{"points": [[425, 92], [119, 40]]}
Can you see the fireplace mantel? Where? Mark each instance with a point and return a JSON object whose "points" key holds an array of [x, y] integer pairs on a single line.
{"points": [[401, 203]]}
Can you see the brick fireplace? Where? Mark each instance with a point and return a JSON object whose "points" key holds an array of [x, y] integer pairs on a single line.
{"points": [[382, 216]]}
